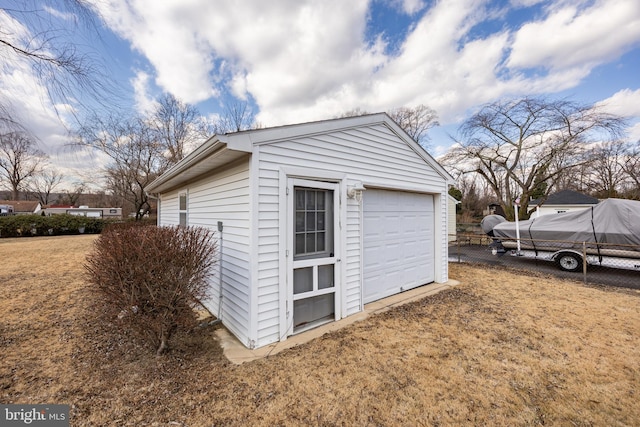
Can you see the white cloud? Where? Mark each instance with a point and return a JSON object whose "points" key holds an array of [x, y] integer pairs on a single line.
{"points": [[634, 132], [164, 33], [525, 3], [140, 83], [13, 31], [302, 60], [625, 103], [62, 15], [571, 36], [24, 95], [429, 69], [409, 7], [22, 92]]}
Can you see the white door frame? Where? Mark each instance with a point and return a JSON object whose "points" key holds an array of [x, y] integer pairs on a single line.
{"points": [[292, 264]]}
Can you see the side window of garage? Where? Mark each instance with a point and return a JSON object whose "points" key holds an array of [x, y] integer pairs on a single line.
{"points": [[183, 209]]}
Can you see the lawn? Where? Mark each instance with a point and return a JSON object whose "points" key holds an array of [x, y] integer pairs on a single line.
{"points": [[502, 348]]}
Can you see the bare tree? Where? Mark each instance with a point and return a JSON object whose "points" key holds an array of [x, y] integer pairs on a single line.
{"points": [[356, 112], [179, 127], [72, 195], [41, 187], [35, 39], [606, 174], [575, 178], [20, 161], [415, 121], [474, 199], [516, 146], [237, 117], [631, 168], [136, 156]]}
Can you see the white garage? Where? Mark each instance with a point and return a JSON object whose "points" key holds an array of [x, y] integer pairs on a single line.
{"points": [[314, 220], [398, 242]]}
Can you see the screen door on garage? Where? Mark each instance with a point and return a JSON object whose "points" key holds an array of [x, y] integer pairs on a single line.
{"points": [[313, 275]]}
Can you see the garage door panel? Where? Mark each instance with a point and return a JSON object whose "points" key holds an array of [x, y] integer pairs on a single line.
{"points": [[398, 242]]}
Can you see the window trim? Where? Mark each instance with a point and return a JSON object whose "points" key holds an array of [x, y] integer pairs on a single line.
{"points": [[329, 212], [184, 211]]}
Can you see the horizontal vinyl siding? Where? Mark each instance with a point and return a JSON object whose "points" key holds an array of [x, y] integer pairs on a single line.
{"points": [[268, 316], [374, 155], [442, 244], [224, 196], [353, 256], [169, 209]]}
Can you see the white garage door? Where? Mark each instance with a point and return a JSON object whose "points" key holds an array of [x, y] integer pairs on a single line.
{"points": [[398, 242]]}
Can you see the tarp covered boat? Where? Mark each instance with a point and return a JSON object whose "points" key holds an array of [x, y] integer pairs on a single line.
{"points": [[607, 234], [612, 221]]}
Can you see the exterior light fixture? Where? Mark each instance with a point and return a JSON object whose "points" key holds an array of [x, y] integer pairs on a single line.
{"points": [[355, 191]]}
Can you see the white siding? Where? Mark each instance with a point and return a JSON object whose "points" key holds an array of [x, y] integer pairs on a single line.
{"points": [[440, 238], [223, 196], [268, 280], [553, 210], [451, 218], [374, 155], [353, 255], [168, 214]]}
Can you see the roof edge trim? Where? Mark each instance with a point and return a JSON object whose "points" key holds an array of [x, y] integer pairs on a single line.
{"points": [[209, 147]]}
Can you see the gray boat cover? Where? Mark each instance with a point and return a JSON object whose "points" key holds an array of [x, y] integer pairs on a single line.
{"points": [[489, 222], [612, 221]]}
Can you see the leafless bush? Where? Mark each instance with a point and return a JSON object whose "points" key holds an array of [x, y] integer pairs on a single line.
{"points": [[152, 277]]}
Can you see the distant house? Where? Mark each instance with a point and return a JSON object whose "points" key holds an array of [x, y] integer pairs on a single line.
{"points": [[562, 201], [6, 210], [19, 207], [114, 213]]}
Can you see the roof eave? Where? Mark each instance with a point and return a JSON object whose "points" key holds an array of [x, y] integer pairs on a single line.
{"points": [[210, 146]]}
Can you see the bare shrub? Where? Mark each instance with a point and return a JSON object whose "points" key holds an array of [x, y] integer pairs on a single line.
{"points": [[152, 277]]}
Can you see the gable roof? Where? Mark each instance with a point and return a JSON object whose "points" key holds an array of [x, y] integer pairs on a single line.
{"points": [[567, 197], [223, 149], [21, 205]]}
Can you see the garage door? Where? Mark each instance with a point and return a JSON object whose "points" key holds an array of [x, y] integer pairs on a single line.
{"points": [[398, 242]]}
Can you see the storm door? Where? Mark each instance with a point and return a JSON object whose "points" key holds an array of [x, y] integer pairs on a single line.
{"points": [[313, 276]]}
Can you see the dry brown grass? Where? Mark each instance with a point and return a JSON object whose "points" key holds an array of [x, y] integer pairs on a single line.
{"points": [[503, 348]]}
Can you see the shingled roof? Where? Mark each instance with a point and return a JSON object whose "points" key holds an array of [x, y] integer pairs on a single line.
{"points": [[567, 197], [22, 206]]}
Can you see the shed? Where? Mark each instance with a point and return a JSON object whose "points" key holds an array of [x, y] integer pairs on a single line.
{"points": [[317, 220]]}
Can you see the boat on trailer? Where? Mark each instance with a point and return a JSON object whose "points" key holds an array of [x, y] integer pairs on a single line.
{"points": [[607, 234]]}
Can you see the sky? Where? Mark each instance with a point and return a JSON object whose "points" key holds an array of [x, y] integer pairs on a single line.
{"points": [[302, 60]]}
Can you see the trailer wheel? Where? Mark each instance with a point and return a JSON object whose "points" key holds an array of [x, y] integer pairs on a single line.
{"points": [[568, 261]]}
